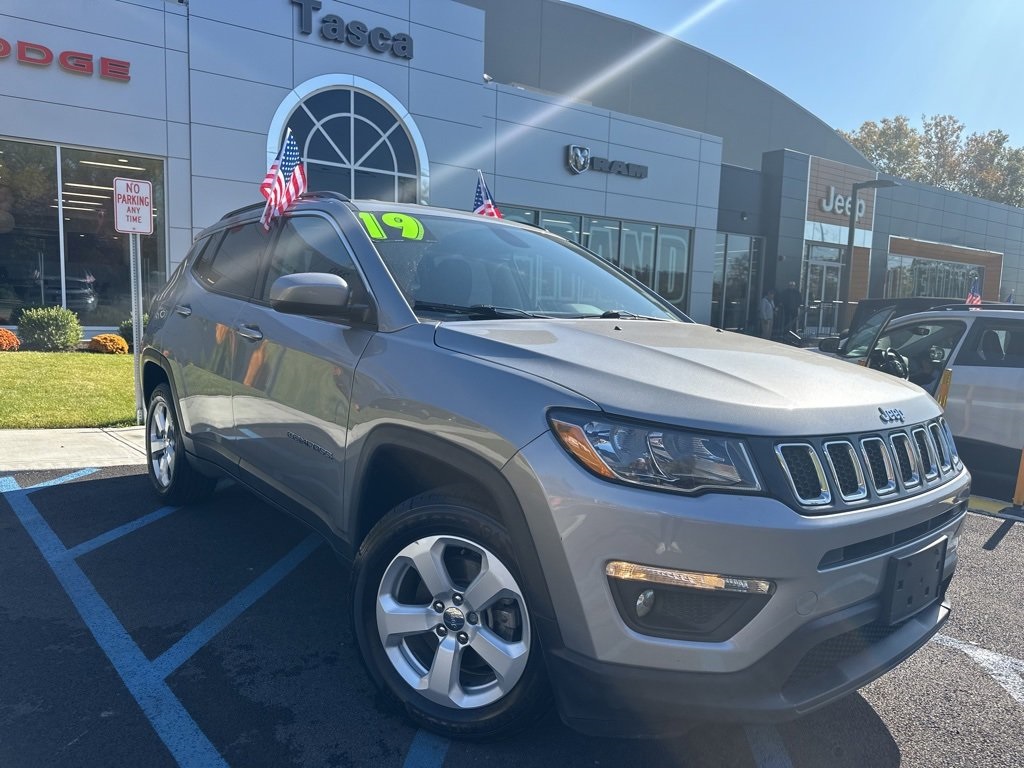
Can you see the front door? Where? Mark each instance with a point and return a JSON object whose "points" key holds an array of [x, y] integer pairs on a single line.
{"points": [[821, 298], [293, 376]]}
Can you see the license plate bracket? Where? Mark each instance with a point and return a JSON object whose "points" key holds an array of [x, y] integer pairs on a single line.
{"points": [[912, 581]]}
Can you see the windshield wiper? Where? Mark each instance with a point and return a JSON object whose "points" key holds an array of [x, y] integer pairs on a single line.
{"points": [[489, 310], [476, 310], [617, 314]]}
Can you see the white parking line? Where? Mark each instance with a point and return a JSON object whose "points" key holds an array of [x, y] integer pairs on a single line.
{"points": [[1005, 670]]}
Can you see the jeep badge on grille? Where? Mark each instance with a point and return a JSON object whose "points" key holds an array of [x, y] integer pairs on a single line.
{"points": [[890, 415]]}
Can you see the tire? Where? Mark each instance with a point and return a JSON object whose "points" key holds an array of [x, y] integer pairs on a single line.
{"points": [[431, 661], [175, 480]]}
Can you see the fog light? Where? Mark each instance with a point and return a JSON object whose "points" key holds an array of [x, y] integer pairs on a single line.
{"points": [[618, 569], [645, 602]]}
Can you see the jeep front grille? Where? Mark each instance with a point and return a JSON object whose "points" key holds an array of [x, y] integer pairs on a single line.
{"points": [[882, 474], [805, 473], [842, 460], [879, 466], [906, 459]]}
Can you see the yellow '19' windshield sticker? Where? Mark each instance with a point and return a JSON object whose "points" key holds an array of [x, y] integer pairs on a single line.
{"points": [[395, 225]]}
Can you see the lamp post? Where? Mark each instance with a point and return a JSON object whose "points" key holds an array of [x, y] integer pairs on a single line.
{"points": [[846, 265]]}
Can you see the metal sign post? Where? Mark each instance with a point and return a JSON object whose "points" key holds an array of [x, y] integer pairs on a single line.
{"points": [[133, 215]]}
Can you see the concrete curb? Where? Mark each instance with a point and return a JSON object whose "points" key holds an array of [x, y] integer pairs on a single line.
{"points": [[29, 449]]}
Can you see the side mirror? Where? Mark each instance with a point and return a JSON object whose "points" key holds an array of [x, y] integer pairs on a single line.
{"points": [[830, 345], [316, 294]]}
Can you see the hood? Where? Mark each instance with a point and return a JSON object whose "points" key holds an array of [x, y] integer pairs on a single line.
{"points": [[693, 375]]}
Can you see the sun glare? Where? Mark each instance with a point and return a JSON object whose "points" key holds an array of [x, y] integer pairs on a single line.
{"points": [[474, 156]]}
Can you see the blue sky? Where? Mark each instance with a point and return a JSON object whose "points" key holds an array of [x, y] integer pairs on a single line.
{"points": [[912, 57]]}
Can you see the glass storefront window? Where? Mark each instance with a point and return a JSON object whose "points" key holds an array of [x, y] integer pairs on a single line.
{"points": [[29, 228], [88, 270], [566, 225], [718, 279], [908, 276], [96, 257], [656, 255], [673, 264], [737, 283], [637, 251], [602, 237], [522, 215], [736, 280]]}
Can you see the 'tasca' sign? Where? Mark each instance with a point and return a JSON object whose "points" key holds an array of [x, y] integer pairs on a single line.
{"points": [[354, 33], [77, 62]]}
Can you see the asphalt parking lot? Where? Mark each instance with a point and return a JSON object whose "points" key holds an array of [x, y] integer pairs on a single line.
{"points": [[216, 634]]}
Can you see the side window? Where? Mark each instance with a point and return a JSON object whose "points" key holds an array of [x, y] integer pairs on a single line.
{"points": [[994, 343], [932, 340], [232, 267], [1014, 349], [311, 244], [926, 347]]}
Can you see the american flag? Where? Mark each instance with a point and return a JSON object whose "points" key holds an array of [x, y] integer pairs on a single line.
{"points": [[974, 296], [482, 202], [284, 182]]}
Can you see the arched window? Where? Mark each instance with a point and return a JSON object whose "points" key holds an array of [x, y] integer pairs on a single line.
{"points": [[357, 140]]}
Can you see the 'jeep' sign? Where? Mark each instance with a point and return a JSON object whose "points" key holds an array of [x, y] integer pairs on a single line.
{"points": [[354, 33]]}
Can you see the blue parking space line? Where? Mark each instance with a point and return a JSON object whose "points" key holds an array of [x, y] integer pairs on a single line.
{"points": [[63, 479], [116, 533], [767, 747], [200, 635], [8, 484], [186, 742], [427, 750]]}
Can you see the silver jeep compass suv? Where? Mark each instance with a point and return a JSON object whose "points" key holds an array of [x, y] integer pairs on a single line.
{"points": [[549, 480]]}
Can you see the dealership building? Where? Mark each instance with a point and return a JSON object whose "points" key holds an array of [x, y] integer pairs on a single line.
{"points": [[702, 181]]}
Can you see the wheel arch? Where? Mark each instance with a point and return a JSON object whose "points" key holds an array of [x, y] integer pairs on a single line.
{"points": [[397, 463]]}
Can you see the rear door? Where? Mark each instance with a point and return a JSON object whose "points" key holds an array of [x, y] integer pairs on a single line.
{"points": [[985, 404], [293, 375], [200, 336]]}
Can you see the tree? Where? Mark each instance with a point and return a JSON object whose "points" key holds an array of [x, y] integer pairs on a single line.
{"points": [[892, 145], [981, 164]]}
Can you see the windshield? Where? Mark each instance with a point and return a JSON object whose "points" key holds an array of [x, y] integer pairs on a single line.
{"points": [[482, 268], [859, 342]]}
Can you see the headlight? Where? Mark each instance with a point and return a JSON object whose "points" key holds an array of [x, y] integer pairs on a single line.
{"points": [[658, 457]]}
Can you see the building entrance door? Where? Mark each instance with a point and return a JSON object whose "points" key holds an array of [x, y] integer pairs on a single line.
{"points": [[821, 298]]}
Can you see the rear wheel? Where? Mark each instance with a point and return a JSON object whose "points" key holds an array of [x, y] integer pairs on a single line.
{"points": [[175, 480], [443, 622]]}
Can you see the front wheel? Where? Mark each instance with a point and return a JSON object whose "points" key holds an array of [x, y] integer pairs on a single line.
{"points": [[443, 622], [174, 479]]}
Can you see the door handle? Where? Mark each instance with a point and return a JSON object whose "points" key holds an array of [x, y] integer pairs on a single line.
{"points": [[183, 309], [252, 333]]}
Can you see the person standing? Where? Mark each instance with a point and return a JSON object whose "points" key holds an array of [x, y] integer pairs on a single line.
{"points": [[767, 314], [789, 307]]}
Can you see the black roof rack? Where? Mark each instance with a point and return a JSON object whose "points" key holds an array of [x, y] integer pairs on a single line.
{"points": [[304, 196]]}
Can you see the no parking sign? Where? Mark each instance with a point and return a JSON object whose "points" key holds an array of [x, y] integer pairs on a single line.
{"points": [[133, 215], [133, 206]]}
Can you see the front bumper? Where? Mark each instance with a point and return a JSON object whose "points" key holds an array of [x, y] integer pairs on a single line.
{"points": [[607, 673], [821, 662]]}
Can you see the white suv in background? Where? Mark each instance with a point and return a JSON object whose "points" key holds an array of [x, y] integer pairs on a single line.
{"points": [[984, 348]]}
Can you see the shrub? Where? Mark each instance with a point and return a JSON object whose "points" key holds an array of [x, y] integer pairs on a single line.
{"points": [[49, 329], [108, 343], [8, 341], [126, 329], [17, 312]]}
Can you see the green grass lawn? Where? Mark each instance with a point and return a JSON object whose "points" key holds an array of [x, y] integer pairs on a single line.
{"points": [[65, 389]]}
